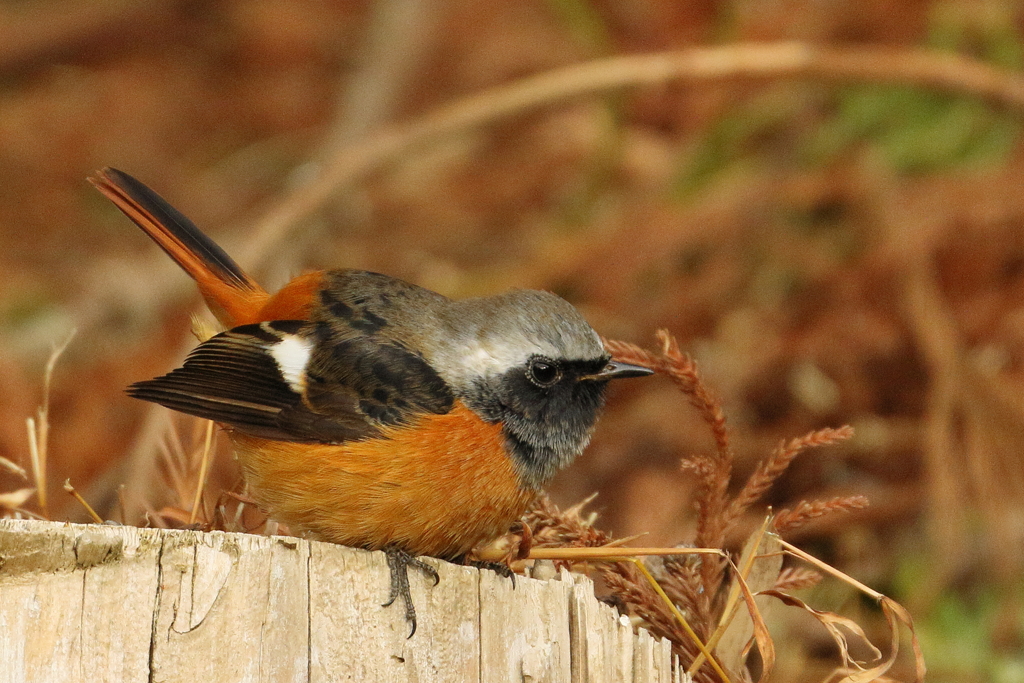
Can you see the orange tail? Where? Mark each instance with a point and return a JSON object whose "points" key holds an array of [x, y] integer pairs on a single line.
{"points": [[233, 296]]}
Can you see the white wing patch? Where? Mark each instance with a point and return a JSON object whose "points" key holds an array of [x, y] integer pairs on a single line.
{"points": [[292, 355]]}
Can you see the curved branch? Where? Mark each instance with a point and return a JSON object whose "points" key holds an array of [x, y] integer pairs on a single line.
{"points": [[920, 67]]}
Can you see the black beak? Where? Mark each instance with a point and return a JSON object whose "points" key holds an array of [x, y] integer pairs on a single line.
{"points": [[616, 370]]}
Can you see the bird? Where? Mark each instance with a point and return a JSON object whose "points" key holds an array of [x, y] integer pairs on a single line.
{"points": [[374, 413]]}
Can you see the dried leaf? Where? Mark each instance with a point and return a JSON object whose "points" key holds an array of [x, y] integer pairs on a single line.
{"points": [[896, 614], [759, 568], [835, 625], [765, 644]]}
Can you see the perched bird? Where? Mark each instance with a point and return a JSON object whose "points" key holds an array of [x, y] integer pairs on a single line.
{"points": [[371, 412]]}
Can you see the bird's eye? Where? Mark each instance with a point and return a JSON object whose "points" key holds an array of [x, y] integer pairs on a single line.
{"points": [[544, 372]]}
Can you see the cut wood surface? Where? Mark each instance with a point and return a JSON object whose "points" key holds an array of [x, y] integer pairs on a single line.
{"points": [[108, 603]]}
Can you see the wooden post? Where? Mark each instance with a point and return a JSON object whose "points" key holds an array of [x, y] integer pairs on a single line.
{"points": [[106, 603]]}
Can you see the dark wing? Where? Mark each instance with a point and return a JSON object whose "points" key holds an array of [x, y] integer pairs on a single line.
{"points": [[300, 381]]}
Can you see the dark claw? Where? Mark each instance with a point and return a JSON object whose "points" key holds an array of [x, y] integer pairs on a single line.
{"points": [[399, 562], [616, 601], [499, 568]]}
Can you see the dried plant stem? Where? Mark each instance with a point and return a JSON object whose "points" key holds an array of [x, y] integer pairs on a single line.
{"points": [[925, 68], [204, 469], [605, 552], [704, 651], [78, 496], [37, 456], [829, 569], [39, 427], [13, 466], [122, 508]]}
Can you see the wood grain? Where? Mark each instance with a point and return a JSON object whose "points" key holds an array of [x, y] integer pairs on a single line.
{"points": [[108, 603]]}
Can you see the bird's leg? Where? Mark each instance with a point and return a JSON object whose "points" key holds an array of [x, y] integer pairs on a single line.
{"points": [[399, 562]]}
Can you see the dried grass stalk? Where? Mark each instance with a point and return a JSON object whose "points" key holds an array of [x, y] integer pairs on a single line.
{"points": [[796, 578], [694, 584], [774, 465], [805, 511]]}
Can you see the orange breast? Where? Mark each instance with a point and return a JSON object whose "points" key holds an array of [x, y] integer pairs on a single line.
{"points": [[440, 486]]}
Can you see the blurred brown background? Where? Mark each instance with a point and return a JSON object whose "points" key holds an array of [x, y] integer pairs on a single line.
{"points": [[830, 253]]}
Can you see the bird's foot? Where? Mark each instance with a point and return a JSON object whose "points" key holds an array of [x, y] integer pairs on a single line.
{"points": [[399, 562], [499, 568]]}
